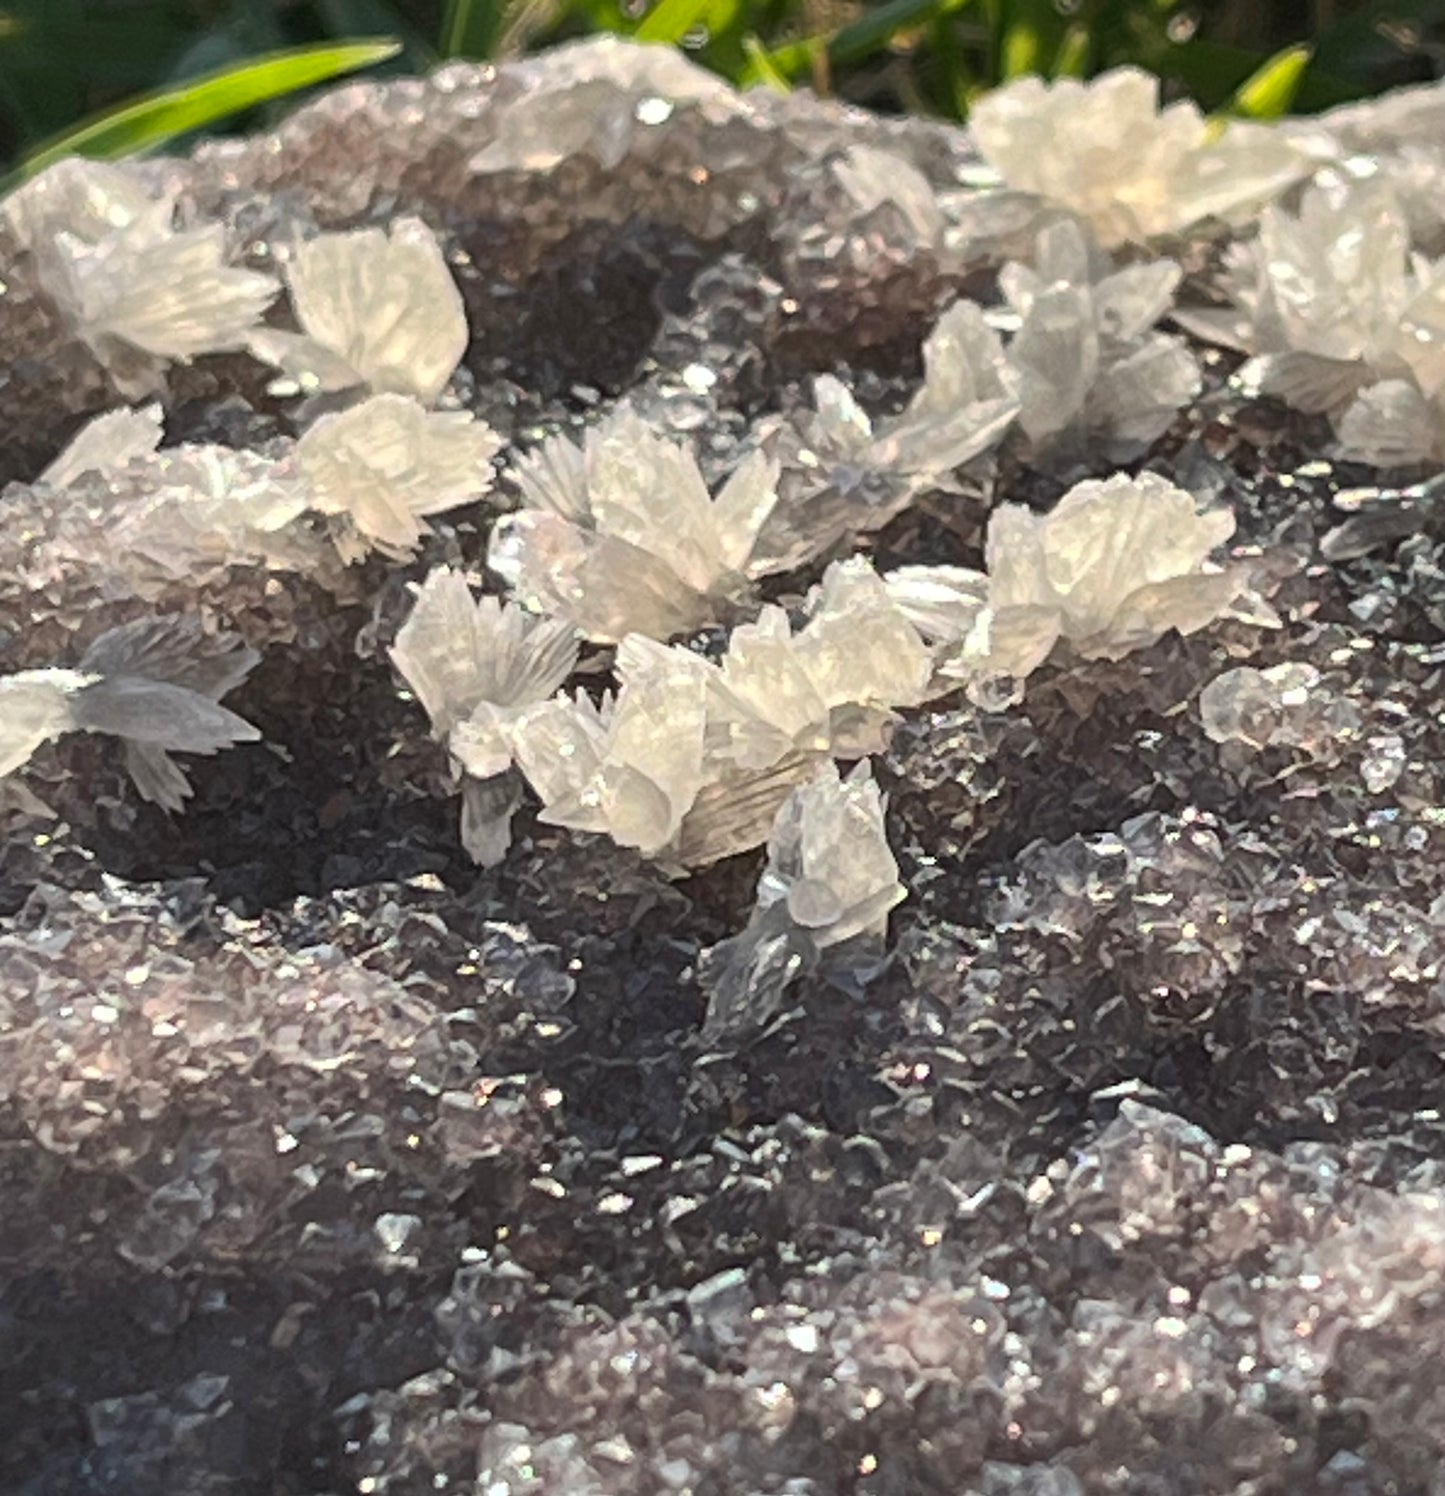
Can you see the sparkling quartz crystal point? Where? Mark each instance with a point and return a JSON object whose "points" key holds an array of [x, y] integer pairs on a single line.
{"points": [[1281, 706], [842, 473], [1089, 367], [829, 881], [380, 467], [139, 291], [156, 684], [1108, 153], [621, 536], [378, 309], [475, 664]]}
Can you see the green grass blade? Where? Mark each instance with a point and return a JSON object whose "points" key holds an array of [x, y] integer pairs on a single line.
{"points": [[469, 28], [1030, 36], [760, 68], [670, 20], [158, 117], [1072, 58], [1270, 92]]}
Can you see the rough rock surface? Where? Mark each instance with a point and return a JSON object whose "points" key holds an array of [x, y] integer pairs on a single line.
{"points": [[331, 1163]]}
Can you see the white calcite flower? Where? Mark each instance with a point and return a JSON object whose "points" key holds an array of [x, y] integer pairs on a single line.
{"points": [[1090, 368], [381, 466], [1112, 568], [195, 509], [378, 309], [693, 758], [828, 885], [829, 859], [1108, 153], [155, 683], [124, 521], [877, 179], [140, 291], [834, 686], [595, 96], [90, 199], [1331, 299], [621, 536], [475, 664], [629, 768], [1342, 318], [845, 474], [107, 444], [1393, 423]]}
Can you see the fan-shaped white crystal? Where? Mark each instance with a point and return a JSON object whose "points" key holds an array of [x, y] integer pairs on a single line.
{"points": [[126, 278], [829, 859], [632, 767], [475, 664], [107, 444], [830, 688], [694, 758], [1118, 563], [155, 683], [383, 464], [1106, 151], [90, 199], [1392, 424], [186, 511], [178, 515], [458, 653], [583, 96], [35, 706], [1342, 319], [842, 475], [876, 178], [622, 537], [1112, 568], [1087, 360], [1331, 299], [377, 308]]}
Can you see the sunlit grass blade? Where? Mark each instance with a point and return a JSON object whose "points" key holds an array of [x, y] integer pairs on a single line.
{"points": [[670, 20], [760, 68], [1028, 33], [156, 118], [1270, 92], [1072, 58]]}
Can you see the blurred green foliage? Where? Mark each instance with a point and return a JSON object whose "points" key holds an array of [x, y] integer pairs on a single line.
{"points": [[63, 61]]}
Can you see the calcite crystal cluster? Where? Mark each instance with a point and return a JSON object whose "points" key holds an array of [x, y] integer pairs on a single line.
{"points": [[708, 795]]}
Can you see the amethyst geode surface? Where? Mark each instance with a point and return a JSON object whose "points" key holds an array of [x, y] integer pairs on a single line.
{"points": [[333, 1162]]}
